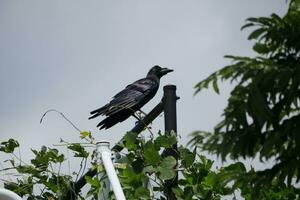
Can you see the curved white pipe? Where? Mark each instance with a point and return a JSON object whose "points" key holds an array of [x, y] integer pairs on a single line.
{"points": [[105, 154], [8, 195]]}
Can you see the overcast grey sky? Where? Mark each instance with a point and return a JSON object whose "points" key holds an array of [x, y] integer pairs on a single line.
{"points": [[75, 55]]}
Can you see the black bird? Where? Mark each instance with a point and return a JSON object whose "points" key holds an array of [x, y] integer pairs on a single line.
{"points": [[131, 99]]}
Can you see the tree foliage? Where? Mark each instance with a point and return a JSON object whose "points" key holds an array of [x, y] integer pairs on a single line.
{"points": [[262, 117]]}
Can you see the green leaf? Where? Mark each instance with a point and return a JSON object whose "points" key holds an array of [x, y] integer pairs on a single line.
{"points": [[259, 104], [54, 155], [27, 169], [178, 193], [86, 134], [9, 146], [45, 156], [168, 162], [93, 181], [151, 155], [261, 48], [166, 168], [142, 193], [237, 167], [166, 174], [130, 140], [210, 180], [149, 169], [187, 156], [130, 178], [21, 187], [247, 25], [79, 150], [165, 141], [215, 86], [255, 34]]}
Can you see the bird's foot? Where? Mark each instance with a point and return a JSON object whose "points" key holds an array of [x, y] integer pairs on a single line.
{"points": [[141, 114]]}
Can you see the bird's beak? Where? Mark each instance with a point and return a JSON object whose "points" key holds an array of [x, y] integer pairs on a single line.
{"points": [[164, 71]]}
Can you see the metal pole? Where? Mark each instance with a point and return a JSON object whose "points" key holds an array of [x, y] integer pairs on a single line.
{"points": [[105, 155], [170, 99]]}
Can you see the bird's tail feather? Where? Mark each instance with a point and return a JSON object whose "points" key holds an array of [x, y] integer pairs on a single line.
{"points": [[112, 120], [99, 111], [119, 107]]}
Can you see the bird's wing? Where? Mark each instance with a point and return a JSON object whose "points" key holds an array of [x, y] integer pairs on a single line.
{"points": [[132, 95], [143, 86]]}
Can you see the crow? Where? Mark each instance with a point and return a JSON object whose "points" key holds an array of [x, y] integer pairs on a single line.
{"points": [[131, 99]]}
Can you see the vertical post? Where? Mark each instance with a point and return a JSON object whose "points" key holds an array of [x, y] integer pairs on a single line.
{"points": [[170, 99], [103, 178], [105, 155]]}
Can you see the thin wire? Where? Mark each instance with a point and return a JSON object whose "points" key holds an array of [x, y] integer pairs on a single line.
{"points": [[54, 110]]}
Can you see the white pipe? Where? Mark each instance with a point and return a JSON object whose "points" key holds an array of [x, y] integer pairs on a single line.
{"points": [[105, 154], [8, 195]]}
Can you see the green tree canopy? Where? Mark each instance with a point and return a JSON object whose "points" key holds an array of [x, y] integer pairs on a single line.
{"points": [[262, 117]]}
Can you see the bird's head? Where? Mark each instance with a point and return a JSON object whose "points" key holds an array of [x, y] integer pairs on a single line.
{"points": [[159, 71]]}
